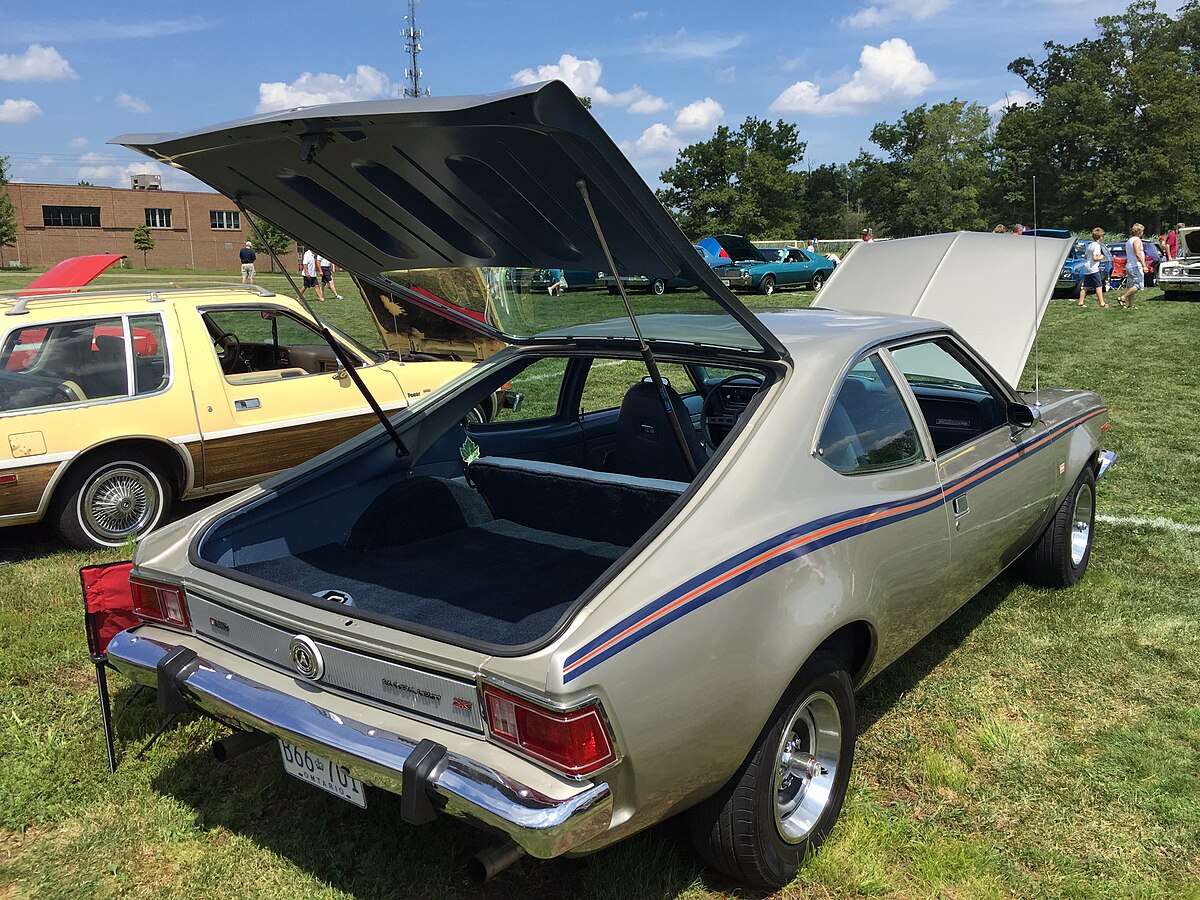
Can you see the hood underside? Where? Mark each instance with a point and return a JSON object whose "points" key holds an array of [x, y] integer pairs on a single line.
{"points": [[488, 183], [991, 289]]}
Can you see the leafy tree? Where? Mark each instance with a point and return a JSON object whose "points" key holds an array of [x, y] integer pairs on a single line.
{"points": [[937, 171], [1114, 133], [8, 213], [831, 203], [85, 184], [740, 180], [143, 240], [272, 242]]}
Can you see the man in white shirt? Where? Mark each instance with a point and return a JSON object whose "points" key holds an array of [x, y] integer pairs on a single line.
{"points": [[326, 267], [310, 273], [1093, 279]]}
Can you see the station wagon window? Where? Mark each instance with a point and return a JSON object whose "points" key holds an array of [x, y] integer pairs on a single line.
{"points": [[255, 344], [225, 220], [63, 362], [609, 379], [954, 398], [869, 428], [150, 370]]}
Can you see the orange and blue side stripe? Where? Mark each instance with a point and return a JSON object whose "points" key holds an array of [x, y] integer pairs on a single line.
{"points": [[793, 544]]}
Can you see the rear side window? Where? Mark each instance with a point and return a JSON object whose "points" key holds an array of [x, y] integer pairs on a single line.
{"points": [[540, 385], [609, 379], [150, 370], [62, 363], [869, 428]]}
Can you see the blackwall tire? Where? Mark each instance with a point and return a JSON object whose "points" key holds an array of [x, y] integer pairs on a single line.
{"points": [[767, 285], [1060, 556], [786, 797], [658, 287], [817, 282], [109, 500]]}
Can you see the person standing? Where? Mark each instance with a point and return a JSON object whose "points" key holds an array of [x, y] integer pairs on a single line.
{"points": [[1172, 241], [326, 268], [1135, 266], [309, 273], [247, 256], [1093, 258]]}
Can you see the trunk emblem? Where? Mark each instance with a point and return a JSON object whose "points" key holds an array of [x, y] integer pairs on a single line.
{"points": [[306, 657]]}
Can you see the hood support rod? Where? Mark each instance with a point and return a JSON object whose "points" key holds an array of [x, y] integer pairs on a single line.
{"points": [[344, 359], [643, 346]]}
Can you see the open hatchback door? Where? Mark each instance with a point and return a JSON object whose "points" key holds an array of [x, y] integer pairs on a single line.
{"points": [[449, 203], [937, 276]]}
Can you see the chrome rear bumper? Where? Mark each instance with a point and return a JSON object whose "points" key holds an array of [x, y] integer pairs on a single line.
{"points": [[544, 826]]}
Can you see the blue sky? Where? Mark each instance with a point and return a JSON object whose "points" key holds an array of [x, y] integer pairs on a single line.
{"points": [[661, 75]]}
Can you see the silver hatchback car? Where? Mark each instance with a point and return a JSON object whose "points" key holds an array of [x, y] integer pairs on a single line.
{"points": [[653, 588]]}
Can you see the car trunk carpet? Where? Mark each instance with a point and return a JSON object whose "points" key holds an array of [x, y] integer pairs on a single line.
{"points": [[498, 582]]}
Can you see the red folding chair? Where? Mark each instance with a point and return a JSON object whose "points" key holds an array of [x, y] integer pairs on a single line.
{"points": [[108, 610]]}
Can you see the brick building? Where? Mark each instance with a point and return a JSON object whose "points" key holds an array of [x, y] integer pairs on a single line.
{"points": [[191, 230]]}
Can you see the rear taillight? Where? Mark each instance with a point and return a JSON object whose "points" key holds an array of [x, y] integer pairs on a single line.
{"points": [[163, 604], [576, 742]]}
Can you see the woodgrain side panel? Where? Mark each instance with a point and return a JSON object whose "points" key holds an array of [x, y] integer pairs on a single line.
{"points": [[244, 456], [23, 497]]}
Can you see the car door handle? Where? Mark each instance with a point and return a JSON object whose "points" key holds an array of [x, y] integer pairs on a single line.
{"points": [[248, 403], [961, 506]]}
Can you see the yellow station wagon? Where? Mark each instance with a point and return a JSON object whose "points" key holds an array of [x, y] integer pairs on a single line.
{"points": [[114, 404]]}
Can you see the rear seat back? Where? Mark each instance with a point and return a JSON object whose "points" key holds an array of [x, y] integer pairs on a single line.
{"points": [[597, 506]]}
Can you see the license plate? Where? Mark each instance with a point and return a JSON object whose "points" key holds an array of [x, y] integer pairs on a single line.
{"points": [[322, 772]]}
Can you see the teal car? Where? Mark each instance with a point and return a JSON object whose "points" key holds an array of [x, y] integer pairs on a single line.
{"points": [[767, 270]]}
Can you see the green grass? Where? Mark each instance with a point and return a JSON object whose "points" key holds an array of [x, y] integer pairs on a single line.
{"points": [[1038, 744]]}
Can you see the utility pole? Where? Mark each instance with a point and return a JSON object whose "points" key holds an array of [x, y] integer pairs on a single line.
{"points": [[412, 46]]}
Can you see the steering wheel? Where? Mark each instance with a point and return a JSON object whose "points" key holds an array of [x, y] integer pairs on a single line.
{"points": [[231, 352], [716, 418]]}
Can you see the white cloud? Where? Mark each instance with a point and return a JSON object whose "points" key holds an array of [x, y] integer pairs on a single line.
{"points": [[101, 169], [583, 77], [884, 12], [62, 28], [888, 72], [18, 112], [639, 16], [131, 104], [79, 143], [683, 46], [365, 83], [727, 75], [661, 140], [38, 63], [1012, 98], [702, 115], [45, 161]]}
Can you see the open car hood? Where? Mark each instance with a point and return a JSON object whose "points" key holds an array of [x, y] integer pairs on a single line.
{"points": [[991, 289], [70, 275], [733, 246], [422, 192]]}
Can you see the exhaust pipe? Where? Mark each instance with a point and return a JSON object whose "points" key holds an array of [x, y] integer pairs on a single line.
{"points": [[492, 861], [238, 743]]}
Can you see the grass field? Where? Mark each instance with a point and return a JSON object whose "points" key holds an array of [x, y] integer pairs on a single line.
{"points": [[1038, 744]]}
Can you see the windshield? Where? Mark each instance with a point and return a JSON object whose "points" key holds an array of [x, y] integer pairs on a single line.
{"points": [[527, 303], [1078, 251]]}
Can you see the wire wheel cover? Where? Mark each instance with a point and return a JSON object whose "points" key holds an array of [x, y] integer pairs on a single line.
{"points": [[119, 502]]}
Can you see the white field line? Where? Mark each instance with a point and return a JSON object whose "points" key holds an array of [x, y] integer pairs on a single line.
{"points": [[1149, 522]]}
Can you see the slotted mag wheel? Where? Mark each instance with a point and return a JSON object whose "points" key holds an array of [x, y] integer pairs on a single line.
{"points": [[806, 766]]}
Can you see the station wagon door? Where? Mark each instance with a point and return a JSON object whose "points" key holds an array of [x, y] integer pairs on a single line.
{"points": [[277, 396], [998, 485]]}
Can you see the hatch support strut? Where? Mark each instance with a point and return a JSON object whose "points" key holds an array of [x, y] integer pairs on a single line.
{"points": [[643, 346], [344, 359]]}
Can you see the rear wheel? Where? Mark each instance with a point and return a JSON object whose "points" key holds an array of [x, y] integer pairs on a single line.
{"points": [[110, 499], [658, 286], [817, 281], [767, 285], [1061, 554], [787, 795]]}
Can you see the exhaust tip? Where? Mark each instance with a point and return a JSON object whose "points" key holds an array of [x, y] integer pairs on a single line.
{"points": [[493, 860]]}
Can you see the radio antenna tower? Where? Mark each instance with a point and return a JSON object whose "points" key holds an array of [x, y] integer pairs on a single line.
{"points": [[412, 46]]}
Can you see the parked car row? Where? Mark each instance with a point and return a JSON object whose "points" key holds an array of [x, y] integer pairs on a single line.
{"points": [[698, 568], [1180, 278]]}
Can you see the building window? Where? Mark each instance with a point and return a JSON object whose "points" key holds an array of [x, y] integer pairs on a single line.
{"points": [[71, 216], [158, 218], [225, 220]]}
